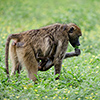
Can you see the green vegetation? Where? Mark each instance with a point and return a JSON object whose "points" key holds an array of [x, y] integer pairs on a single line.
{"points": [[77, 47], [80, 76]]}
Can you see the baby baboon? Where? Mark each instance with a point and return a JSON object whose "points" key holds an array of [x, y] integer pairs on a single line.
{"points": [[42, 39], [47, 64]]}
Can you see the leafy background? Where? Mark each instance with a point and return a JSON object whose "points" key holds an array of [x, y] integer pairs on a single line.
{"points": [[80, 76]]}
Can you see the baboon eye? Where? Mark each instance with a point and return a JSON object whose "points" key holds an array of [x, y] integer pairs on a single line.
{"points": [[71, 30]]}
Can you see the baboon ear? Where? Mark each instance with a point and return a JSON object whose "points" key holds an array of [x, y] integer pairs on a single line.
{"points": [[71, 30], [64, 27]]}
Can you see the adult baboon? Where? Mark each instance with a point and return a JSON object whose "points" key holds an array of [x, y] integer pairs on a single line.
{"points": [[41, 40]]}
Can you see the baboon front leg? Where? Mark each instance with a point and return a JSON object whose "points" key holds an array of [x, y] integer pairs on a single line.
{"points": [[72, 54], [59, 57], [57, 68], [27, 58]]}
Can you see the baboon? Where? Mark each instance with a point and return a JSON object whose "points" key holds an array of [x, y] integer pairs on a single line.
{"points": [[41, 40]]}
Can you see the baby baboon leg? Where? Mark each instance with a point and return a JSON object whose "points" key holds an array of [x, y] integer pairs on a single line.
{"points": [[46, 65], [27, 58], [14, 58]]}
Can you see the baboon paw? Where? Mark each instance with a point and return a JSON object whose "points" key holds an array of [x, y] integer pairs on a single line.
{"points": [[77, 51]]}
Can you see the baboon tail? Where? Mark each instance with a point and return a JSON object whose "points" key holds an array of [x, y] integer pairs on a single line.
{"points": [[12, 36]]}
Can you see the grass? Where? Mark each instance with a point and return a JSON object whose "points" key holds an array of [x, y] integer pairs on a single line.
{"points": [[80, 76]]}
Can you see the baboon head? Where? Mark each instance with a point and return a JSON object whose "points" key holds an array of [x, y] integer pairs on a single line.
{"points": [[74, 32]]}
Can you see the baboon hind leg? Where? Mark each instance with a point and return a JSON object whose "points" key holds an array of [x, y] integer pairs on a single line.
{"points": [[14, 59], [27, 58]]}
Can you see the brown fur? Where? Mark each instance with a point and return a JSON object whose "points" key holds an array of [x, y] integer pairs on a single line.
{"points": [[41, 40]]}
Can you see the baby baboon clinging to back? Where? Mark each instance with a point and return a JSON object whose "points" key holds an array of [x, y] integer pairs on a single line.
{"points": [[41, 40]]}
